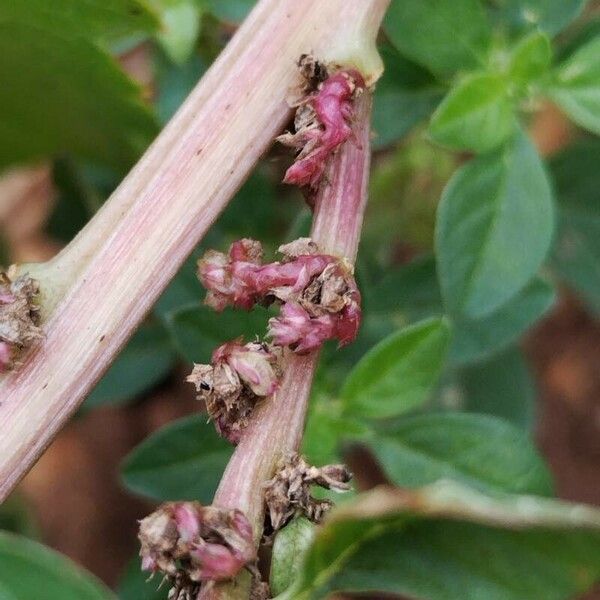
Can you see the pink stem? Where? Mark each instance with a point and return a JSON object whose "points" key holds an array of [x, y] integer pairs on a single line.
{"points": [[278, 424]]}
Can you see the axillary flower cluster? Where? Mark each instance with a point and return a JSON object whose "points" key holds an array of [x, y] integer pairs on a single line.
{"points": [[19, 318], [318, 300]]}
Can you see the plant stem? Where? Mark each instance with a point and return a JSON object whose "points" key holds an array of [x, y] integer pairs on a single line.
{"points": [[278, 424], [103, 285]]}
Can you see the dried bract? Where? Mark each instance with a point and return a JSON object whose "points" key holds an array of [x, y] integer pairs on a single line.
{"points": [[19, 317], [288, 492], [190, 544], [239, 376]]}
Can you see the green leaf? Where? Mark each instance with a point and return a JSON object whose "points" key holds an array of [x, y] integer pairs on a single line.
{"points": [[259, 223], [183, 460], [578, 36], [77, 201], [550, 15], [478, 450], [326, 430], [576, 86], [443, 35], [134, 584], [448, 542], [476, 115], [183, 291], [16, 516], [405, 95], [411, 290], [289, 548], [477, 339], [180, 27], [29, 570], [577, 250], [146, 360], [494, 227], [63, 93], [501, 386], [531, 58], [399, 373], [230, 10], [197, 330], [92, 19]]}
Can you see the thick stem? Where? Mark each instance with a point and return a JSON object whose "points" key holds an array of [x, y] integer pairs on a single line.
{"points": [[124, 259], [278, 425]]}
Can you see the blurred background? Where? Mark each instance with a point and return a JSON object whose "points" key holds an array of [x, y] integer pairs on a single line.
{"points": [[64, 153]]}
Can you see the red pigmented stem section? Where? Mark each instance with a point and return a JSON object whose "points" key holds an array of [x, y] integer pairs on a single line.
{"points": [[277, 426]]}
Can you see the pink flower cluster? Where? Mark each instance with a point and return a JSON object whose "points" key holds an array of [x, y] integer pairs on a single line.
{"points": [[197, 543], [238, 377], [296, 328], [319, 294], [239, 279], [322, 124], [253, 364]]}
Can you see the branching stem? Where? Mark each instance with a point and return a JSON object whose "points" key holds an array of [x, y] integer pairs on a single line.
{"points": [[278, 424], [100, 288]]}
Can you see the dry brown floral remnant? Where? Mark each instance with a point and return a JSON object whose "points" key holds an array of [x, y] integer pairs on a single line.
{"points": [[19, 317], [191, 544], [288, 492]]}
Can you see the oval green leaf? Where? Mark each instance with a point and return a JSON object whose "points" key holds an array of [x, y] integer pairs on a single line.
{"points": [[146, 361], [576, 86], [477, 339], [449, 542], [29, 570], [481, 451], [63, 93], [476, 115], [442, 35], [494, 228], [291, 543], [530, 58], [184, 460], [399, 373]]}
